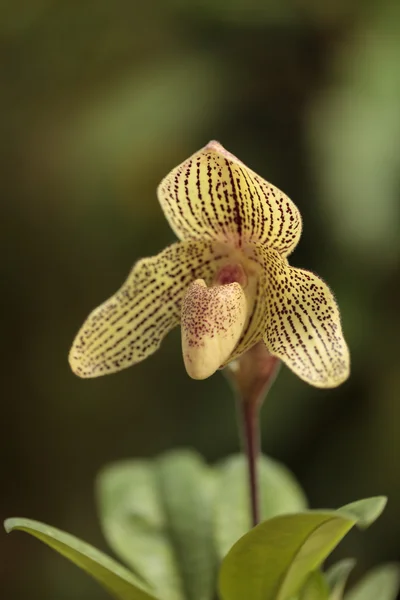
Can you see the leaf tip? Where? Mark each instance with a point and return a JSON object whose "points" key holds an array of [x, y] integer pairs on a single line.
{"points": [[366, 511], [9, 524]]}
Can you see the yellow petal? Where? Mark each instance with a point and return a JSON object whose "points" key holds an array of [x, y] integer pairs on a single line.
{"points": [[254, 329], [212, 322], [130, 326], [303, 324], [255, 292], [213, 195]]}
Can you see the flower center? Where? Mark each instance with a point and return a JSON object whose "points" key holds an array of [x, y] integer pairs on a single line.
{"points": [[231, 273]]}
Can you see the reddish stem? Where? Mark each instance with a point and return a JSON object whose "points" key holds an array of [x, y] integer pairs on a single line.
{"points": [[251, 439], [252, 375]]}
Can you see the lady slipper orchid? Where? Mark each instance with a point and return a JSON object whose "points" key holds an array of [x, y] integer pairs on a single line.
{"points": [[227, 282]]}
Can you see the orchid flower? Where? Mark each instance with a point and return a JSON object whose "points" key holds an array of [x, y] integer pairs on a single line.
{"points": [[227, 282]]}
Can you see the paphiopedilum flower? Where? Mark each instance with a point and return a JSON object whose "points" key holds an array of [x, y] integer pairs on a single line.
{"points": [[227, 282]]}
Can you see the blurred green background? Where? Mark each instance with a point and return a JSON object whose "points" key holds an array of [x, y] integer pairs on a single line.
{"points": [[99, 100]]}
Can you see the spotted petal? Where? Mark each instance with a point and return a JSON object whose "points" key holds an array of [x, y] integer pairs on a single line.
{"points": [[213, 195], [303, 324], [212, 323], [130, 326]]}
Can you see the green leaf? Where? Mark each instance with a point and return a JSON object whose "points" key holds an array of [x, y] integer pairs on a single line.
{"points": [[187, 489], [315, 588], [280, 493], [158, 517], [382, 583], [112, 576], [365, 511], [135, 526], [273, 560], [337, 576]]}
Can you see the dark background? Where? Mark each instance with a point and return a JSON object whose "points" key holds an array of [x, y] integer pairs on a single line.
{"points": [[98, 101]]}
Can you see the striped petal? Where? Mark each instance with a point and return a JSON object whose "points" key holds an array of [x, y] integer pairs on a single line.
{"points": [[303, 323], [130, 326], [213, 195]]}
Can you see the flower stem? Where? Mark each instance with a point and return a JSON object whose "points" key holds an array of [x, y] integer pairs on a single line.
{"points": [[251, 375], [250, 418]]}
